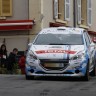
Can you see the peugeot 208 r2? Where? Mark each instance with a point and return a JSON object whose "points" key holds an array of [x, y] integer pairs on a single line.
{"points": [[61, 51]]}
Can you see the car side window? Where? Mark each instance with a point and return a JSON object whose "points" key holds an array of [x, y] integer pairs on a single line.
{"points": [[86, 39], [89, 37]]}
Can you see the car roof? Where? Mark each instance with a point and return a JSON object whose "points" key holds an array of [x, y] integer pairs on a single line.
{"points": [[62, 30]]}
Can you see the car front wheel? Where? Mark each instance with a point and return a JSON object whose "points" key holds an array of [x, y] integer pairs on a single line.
{"points": [[29, 77], [87, 75]]}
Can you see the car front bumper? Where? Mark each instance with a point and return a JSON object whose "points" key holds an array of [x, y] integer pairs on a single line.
{"points": [[76, 70]]}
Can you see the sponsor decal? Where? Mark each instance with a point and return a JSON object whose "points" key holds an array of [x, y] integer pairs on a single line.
{"points": [[55, 51]]}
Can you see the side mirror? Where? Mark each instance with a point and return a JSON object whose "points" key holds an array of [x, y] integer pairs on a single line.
{"points": [[29, 45]]}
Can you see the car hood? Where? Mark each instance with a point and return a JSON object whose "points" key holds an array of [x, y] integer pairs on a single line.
{"points": [[56, 51]]}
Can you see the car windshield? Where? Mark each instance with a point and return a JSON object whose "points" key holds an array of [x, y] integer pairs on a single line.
{"points": [[59, 39]]}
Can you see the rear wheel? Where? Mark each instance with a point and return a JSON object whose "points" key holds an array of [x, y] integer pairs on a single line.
{"points": [[93, 73]]}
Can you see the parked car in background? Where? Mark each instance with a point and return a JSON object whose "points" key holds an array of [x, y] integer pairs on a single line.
{"points": [[61, 51]]}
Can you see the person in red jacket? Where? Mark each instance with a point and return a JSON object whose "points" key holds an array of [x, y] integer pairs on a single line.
{"points": [[22, 61]]}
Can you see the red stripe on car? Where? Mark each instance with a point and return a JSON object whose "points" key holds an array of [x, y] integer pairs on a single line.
{"points": [[55, 51]]}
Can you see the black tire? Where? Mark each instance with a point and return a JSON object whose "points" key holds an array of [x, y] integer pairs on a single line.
{"points": [[29, 77], [87, 75], [93, 73]]}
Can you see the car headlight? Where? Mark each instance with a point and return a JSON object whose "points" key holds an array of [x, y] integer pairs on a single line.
{"points": [[31, 55], [80, 55]]}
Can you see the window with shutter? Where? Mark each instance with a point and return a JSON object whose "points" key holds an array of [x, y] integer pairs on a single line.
{"points": [[67, 10], [89, 12], [55, 9], [5, 7], [84, 12], [61, 10], [0, 7], [79, 11]]}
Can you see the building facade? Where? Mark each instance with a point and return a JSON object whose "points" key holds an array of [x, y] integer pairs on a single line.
{"points": [[15, 24], [73, 13], [17, 27]]}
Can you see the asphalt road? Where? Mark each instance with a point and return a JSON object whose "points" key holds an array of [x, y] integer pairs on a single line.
{"points": [[16, 85]]}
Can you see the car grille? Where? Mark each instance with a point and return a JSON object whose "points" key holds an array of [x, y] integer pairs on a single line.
{"points": [[54, 64]]}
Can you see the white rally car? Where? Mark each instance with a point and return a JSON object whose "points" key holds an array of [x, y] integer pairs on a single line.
{"points": [[61, 51]]}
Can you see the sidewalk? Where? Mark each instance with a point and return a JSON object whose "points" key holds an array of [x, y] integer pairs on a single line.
{"points": [[4, 71]]}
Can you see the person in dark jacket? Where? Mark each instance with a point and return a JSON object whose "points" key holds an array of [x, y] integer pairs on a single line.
{"points": [[3, 55], [11, 60]]}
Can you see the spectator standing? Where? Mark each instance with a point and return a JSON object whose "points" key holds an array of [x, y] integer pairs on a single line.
{"points": [[11, 60], [22, 61], [3, 55]]}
